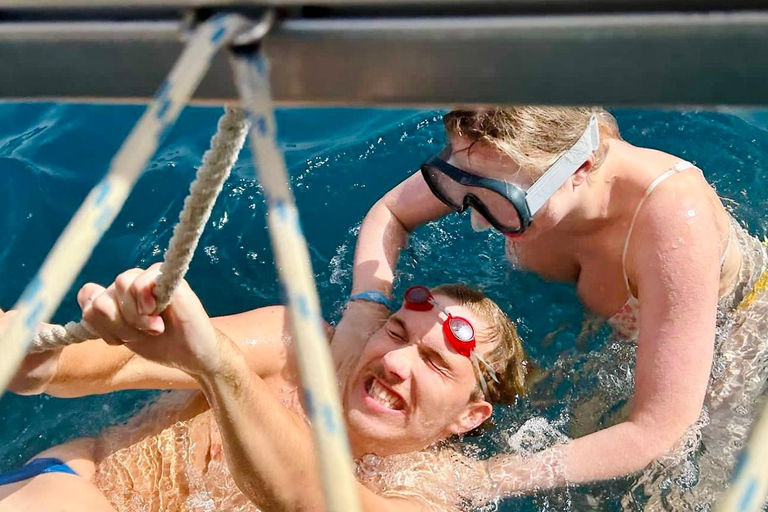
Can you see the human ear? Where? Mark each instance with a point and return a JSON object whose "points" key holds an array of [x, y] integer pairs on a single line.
{"points": [[582, 173], [474, 414]]}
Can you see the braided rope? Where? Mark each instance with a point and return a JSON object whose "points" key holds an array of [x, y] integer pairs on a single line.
{"points": [[217, 164]]}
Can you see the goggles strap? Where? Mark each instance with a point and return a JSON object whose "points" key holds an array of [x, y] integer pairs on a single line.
{"points": [[441, 308], [480, 376], [488, 367], [564, 167]]}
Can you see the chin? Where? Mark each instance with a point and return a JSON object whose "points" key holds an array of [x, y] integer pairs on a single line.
{"points": [[372, 427], [366, 435]]}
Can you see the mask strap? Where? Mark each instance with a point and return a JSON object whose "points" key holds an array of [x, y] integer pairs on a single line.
{"points": [[567, 164]]}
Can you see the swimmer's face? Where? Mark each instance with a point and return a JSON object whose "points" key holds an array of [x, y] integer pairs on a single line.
{"points": [[410, 387], [489, 162]]}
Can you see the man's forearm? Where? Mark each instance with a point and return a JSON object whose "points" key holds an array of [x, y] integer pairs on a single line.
{"points": [[268, 449]]}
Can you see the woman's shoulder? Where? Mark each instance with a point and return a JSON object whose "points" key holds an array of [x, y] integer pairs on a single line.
{"points": [[656, 184]]}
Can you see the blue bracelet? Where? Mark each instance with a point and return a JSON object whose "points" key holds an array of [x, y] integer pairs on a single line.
{"points": [[373, 296]]}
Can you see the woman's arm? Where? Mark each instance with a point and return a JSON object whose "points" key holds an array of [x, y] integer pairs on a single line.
{"points": [[385, 229], [675, 261], [382, 235]]}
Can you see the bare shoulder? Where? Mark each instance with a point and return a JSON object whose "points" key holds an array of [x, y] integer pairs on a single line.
{"points": [[676, 250], [264, 336], [683, 211], [263, 324], [267, 323]]}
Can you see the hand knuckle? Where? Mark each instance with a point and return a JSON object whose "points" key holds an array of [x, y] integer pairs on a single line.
{"points": [[101, 305], [136, 287], [123, 282]]}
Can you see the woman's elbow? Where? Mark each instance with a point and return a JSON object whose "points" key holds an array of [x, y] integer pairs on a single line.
{"points": [[654, 440], [383, 215]]}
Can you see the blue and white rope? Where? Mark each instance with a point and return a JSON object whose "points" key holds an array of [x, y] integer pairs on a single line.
{"points": [[321, 393], [749, 486], [75, 245]]}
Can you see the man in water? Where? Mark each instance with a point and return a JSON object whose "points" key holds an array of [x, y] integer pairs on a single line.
{"points": [[428, 374]]}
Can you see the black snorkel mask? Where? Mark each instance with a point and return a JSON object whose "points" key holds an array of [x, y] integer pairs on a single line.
{"points": [[507, 207]]}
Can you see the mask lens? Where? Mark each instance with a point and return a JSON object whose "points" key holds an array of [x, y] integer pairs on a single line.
{"points": [[444, 188], [459, 189], [496, 209]]}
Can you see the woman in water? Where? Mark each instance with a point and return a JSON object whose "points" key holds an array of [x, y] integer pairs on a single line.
{"points": [[645, 240]]}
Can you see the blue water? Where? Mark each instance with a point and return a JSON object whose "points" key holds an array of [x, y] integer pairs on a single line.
{"points": [[341, 161]]}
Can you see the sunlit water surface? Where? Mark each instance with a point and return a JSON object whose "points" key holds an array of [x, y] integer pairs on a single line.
{"points": [[341, 161]]}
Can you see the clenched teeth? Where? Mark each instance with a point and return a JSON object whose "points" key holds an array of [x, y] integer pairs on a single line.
{"points": [[385, 397]]}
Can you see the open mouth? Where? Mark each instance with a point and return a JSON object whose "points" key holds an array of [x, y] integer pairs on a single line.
{"points": [[383, 396]]}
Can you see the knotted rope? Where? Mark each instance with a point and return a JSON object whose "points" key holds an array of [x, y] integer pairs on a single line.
{"points": [[217, 164]]}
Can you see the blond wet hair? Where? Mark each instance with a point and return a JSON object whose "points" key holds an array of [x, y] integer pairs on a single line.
{"points": [[532, 136], [507, 358]]}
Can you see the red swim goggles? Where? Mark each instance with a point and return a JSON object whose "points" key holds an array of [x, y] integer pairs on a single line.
{"points": [[457, 330]]}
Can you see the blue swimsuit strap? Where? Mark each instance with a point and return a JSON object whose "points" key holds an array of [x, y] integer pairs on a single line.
{"points": [[36, 467]]}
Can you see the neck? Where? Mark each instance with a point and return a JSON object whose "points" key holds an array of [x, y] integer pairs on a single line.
{"points": [[360, 445], [593, 206]]}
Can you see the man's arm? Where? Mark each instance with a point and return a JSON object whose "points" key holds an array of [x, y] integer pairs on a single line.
{"points": [[94, 367], [268, 448]]}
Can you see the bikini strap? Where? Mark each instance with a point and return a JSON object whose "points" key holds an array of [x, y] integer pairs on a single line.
{"points": [[727, 242], [679, 166]]}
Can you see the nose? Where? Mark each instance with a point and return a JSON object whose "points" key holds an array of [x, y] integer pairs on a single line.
{"points": [[479, 223], [397, 363]]}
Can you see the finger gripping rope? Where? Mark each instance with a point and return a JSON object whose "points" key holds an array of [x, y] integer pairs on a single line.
{"points": [[217, 164]]}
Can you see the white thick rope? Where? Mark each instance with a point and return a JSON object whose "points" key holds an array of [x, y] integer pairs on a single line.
{"points": [[217, 164], [316, 369]]}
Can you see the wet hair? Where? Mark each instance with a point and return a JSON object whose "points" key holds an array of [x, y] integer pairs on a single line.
{"points": [[532, 136], [507, 357]]}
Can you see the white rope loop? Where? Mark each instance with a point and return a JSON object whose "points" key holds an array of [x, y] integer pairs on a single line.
{"points": [[217, 165]]}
